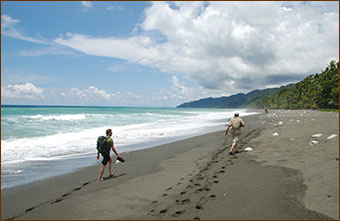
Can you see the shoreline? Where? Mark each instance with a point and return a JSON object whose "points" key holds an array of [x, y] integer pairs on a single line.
{"points": [[32, 164], [89, 159], [193, 178]]}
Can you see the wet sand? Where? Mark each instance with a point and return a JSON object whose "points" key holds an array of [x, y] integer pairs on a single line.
{"points": [[284, 177]]}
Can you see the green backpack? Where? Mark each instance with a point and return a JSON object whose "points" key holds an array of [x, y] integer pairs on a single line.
{"points": [[101, 144]]}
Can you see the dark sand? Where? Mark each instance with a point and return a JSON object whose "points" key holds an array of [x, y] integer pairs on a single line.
{"points": [[282, 178]]}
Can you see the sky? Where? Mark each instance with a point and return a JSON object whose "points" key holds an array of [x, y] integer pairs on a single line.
{"points": [[159, 54]]}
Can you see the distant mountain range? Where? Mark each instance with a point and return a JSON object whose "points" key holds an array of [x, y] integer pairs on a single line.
{"points": [[233, 101], [317, 91]]}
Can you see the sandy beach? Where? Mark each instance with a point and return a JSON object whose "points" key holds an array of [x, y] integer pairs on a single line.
{"points": [[289, 175]]}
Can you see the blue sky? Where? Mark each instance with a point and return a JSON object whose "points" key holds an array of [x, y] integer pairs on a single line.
{"points": [[159, 53]]}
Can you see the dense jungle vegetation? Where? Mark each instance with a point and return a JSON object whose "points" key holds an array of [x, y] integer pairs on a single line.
{"points": [[317, 91]]}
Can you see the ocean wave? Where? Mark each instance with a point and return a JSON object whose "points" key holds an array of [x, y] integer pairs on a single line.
{"points": [[67, 117], [126, 136], [8, 172]]}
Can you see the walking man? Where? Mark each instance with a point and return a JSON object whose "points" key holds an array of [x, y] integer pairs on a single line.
{"points": [[106, 155], [235, 123]]}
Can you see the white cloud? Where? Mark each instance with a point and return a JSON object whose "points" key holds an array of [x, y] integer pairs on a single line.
{"points": [[133, 49], [116, 68], [177, 94], [51, 50], [95, 96], [286, 9], [86, 5], [115, 8], [98, 93], [8, 29], [90, 94], [30, 94], [27, 91], [7, 21], [227, 46], [183, 93]]}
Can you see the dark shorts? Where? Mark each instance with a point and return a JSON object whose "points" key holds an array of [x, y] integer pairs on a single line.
{"points": [[106, 158]]}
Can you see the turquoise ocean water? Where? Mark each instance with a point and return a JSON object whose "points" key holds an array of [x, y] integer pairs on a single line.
{"points": [[38, 142]]}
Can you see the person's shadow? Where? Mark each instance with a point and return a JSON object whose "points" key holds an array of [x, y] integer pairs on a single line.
{"points": [[114, 176]]}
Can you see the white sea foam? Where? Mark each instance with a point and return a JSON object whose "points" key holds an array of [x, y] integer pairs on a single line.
{"points": [[160, 128], [12, 171], [68, 135], [67, 117]]}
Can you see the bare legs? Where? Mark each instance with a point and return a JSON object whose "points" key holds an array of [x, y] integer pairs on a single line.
{"points": [[101, 171], [110, 165], [233, 147]]}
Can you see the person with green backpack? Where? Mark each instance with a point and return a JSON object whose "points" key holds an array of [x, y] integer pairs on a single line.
{"points": [[104, 145]]}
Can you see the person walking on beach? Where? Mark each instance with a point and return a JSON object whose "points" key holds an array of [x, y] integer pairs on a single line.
{"points": [[106, 155], [235, 123]]}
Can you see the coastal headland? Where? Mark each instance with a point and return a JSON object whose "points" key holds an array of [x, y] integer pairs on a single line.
{"points": [[289, 175]]}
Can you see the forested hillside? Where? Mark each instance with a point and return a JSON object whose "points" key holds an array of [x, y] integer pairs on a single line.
{"points": [[233, 101], [316, 91]]}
